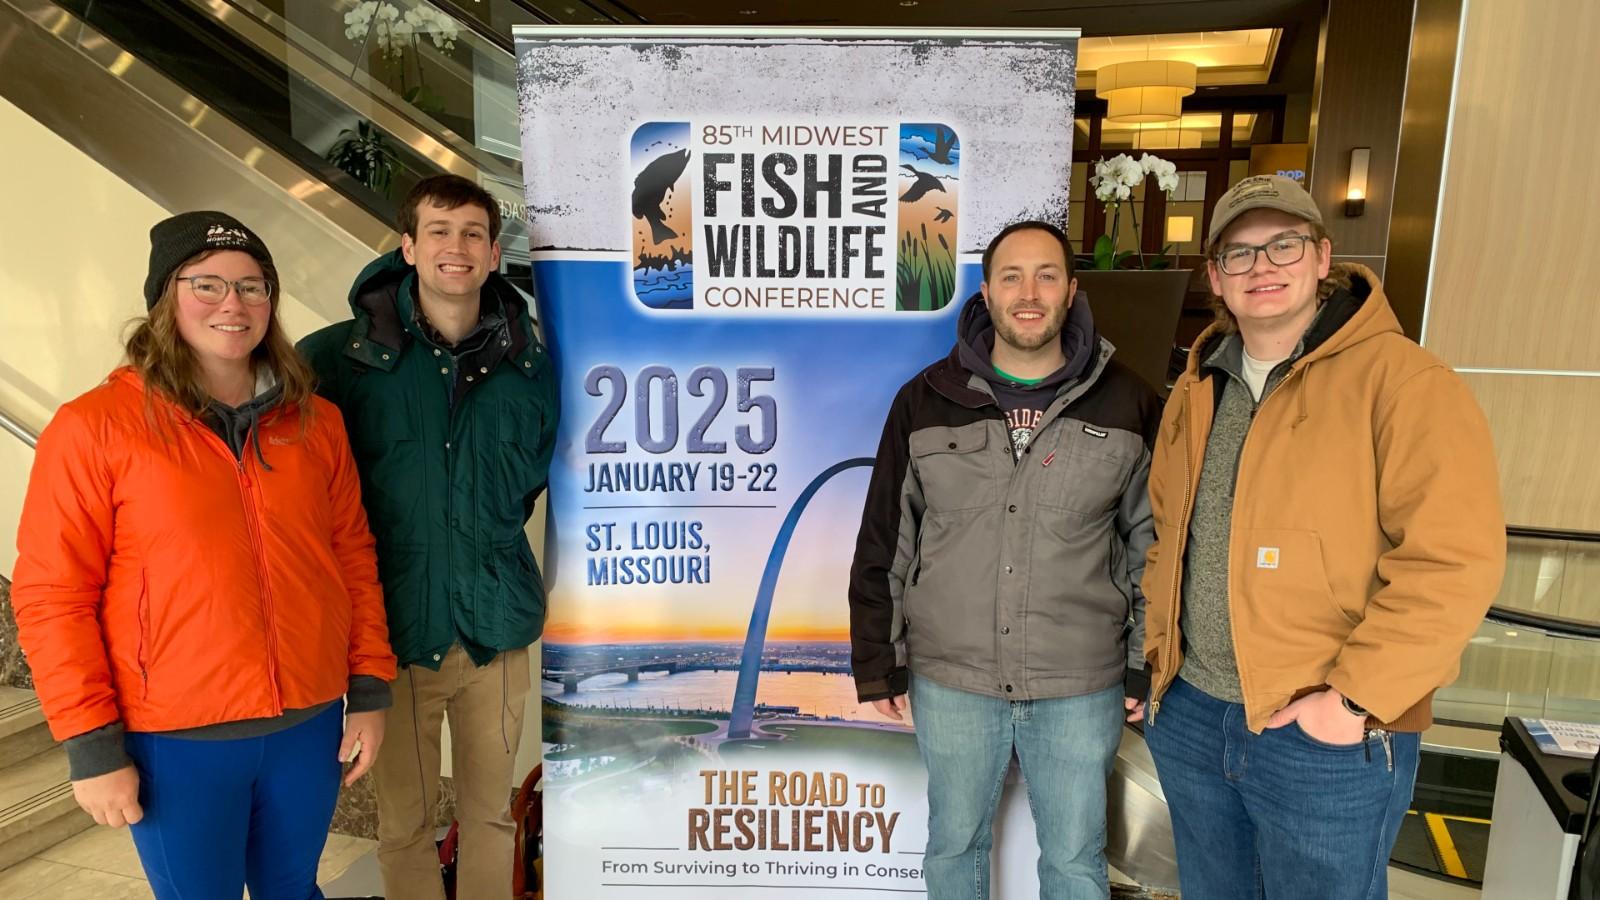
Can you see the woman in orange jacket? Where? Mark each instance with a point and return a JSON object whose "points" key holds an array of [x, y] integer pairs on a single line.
{"points": [[196, 589]]}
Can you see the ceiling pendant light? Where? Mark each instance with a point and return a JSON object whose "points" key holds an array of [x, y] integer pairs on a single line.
{"points": [[1149, 90]]}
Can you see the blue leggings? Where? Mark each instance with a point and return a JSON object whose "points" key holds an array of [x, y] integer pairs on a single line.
{"points": [[220, 815]]}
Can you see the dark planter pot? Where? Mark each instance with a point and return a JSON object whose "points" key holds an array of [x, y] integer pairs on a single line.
{"points": [[1137, 311]]}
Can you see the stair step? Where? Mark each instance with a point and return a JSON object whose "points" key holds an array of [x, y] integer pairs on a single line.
{"points": [[22, 729], [36, 807]]}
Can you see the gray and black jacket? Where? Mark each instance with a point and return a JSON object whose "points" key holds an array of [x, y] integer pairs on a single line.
{"points": [[1014, 579]]}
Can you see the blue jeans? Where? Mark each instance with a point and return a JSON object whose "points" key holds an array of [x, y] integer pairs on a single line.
{"points": [[221, 815], [1065, 746], [1277, 814]]}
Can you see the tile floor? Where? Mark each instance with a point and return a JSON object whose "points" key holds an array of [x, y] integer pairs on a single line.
{"points": [[101, 864]]}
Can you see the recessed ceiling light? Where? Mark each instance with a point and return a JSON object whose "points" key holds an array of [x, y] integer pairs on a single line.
{"points": [[747, 12], [908, 2]]}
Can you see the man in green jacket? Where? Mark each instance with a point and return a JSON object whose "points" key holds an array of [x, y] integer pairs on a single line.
{"points": [[451, 405]]}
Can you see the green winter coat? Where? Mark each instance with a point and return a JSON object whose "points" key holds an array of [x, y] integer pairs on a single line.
{"points": [[452, 451]]}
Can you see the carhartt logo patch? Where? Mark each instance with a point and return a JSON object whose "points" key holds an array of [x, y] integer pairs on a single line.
{"points": [[1266, 557], [1094, 432]]}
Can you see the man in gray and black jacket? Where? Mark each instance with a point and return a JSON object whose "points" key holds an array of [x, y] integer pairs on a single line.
{"points": [[996, 575]]}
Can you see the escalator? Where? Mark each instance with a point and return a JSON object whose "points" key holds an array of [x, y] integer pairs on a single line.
{"points": [[303, 118]]}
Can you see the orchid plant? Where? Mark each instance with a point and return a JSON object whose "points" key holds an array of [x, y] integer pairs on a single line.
{"points": [[393, 32], [1113, 181]]}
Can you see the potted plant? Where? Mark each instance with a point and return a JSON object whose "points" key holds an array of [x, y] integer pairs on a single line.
{"points": [[1113, 181], [364, 155], [1137, 299]]}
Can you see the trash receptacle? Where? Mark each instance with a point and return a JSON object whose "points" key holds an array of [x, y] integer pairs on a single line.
{"points": [[1540, 802]]}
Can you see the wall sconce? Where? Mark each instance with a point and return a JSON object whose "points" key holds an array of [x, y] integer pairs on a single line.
{"points": [[1355, 195], [1180, 229]]}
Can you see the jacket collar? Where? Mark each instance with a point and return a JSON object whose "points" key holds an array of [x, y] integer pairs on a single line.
{"points": [[383, 299]]}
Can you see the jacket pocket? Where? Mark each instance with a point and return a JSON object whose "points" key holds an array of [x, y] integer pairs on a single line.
{"points": [[517, 452], [1087, 473], [953, 468], [1077, 608], [951, 610], [145, 640], [521, 595], [916, 561], [1286, 604]]}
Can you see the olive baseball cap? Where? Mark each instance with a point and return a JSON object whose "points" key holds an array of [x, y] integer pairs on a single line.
{"points": [[1262, 192]]}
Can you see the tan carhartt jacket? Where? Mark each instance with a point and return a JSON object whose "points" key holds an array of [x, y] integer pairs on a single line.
{"points": [[1367, 540]]}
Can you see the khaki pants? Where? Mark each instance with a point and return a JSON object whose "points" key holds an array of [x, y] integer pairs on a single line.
{"points": [[485, 707]]}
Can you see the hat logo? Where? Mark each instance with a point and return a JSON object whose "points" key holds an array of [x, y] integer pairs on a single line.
{"points": [[1252, 188], [222, 235]]}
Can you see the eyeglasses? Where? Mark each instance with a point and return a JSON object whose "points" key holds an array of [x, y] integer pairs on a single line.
{"points": [[214, 289], [1284, 251]]}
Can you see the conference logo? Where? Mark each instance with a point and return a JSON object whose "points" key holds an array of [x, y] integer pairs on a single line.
{"points": [[795, 217]]}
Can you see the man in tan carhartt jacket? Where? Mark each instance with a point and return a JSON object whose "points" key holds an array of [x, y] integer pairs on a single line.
{"points": [[1329, 535]]}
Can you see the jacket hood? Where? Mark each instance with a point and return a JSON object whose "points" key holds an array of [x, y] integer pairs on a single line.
{"points": [[385, 297], [975, 340], [1355, 312]]}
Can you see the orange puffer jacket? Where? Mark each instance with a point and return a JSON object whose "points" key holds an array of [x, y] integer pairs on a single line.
{"points": [[161, 582]]}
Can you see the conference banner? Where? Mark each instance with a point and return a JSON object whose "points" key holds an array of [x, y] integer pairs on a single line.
{"points": [[744, 243]]}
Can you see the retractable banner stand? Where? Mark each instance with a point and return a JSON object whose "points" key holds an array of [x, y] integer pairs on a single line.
{"points": [[744, 243]]}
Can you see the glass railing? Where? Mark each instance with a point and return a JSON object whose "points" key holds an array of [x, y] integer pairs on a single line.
{"points": [[438, 85], [1538, 652], [369, 97], [438, 68]]}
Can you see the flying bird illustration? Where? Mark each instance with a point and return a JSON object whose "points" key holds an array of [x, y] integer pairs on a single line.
{"points": [[650, 191], [944, 140], [921, 186], [944, 214]]}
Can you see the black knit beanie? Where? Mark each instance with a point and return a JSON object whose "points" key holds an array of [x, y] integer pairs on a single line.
{"points": [[174, 240]]}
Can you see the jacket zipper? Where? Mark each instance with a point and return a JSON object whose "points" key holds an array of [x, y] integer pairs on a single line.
{"points": [[253, 526], [144, 633], [253, 521], [1183, 535]]}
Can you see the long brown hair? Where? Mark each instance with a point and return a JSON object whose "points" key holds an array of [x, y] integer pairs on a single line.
{"points": [[169, 367]]}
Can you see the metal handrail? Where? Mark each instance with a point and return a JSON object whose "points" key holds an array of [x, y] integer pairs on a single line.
{"points": [[1555, 626], [1553, 534], [22, 432]]}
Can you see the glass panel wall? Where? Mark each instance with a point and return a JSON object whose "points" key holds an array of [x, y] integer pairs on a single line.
{"points": [[1509, 670]]}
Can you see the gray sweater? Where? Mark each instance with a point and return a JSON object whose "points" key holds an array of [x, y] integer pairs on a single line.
{"points": [[1209, 662]]}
